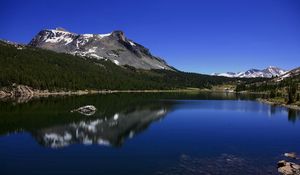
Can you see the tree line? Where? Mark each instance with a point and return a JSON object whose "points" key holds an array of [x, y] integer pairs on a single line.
{"points": [[48, 70]]}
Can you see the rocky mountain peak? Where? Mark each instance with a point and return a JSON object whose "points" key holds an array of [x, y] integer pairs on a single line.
{"points": [[113, 46], [119, 35]]}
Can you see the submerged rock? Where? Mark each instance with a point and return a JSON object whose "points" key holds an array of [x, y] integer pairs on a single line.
{"points": [[288, 168], [87, 110], [224, 164]]}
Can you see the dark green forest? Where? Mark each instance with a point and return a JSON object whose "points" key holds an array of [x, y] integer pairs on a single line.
{"points": [[44, 69], [287, 89]]}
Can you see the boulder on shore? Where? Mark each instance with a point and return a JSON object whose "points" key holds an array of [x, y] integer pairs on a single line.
{"points": [[288, 168]]}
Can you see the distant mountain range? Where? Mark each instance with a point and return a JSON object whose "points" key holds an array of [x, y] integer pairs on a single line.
{"points": [[268, 72], [283, 89], [113, 46]]}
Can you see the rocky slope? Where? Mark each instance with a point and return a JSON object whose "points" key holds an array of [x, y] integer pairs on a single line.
{"points": [[290, 74], [112, 46], [268, 72]]}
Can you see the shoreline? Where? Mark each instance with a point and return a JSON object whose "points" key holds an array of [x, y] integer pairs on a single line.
{"points": [[85, 92], [26, 93], [290, 106]]}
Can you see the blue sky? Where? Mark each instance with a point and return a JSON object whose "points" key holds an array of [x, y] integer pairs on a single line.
{"points": [[202, 36]]}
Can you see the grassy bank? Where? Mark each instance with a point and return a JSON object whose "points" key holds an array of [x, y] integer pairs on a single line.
{"points": [[281, 102]]}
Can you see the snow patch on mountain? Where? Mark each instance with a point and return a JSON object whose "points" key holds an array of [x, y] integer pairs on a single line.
{"points": [[131, 43], [96, 56], [116, 62], [103, 35]]}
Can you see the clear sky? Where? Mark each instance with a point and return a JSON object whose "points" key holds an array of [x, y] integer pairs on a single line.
{"points": [[202, 36]]}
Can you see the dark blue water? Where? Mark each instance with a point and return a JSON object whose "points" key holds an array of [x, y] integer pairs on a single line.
{"points": [[136, 134]]}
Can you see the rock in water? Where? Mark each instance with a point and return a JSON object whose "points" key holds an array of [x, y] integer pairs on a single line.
{"points": [[87, 110], [288, 168], [291, 155]]}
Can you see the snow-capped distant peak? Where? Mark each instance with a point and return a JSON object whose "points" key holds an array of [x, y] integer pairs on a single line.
{"points": [[269, 72]]}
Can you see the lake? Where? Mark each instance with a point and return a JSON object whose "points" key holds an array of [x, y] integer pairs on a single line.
{"points": [[146, 133]]}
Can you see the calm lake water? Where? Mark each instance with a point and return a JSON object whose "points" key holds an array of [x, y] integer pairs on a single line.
{"points": [[142, 133]]}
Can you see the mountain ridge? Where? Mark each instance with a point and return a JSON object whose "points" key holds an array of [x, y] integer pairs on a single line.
{"points": [[289, 74], [269, 72], [114, 46]]}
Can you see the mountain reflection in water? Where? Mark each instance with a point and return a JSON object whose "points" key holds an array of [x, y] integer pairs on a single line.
{"points": [[118, 116], [103, 131]]}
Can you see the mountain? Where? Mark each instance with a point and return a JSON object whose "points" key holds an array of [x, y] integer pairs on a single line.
{"points": [[114, 46], [290, 74], [268, 72]]}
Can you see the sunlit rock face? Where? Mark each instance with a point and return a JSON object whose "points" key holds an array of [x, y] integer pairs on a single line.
{"points": [[114, 46], [107, 131]]}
